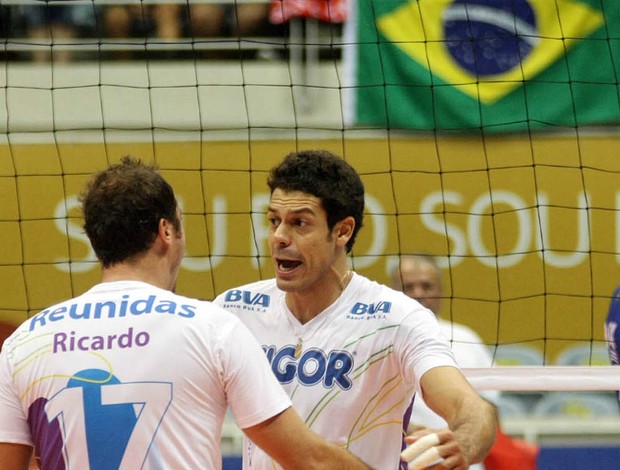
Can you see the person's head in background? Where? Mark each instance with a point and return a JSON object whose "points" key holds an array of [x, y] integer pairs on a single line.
{"points": [[419, 277]]}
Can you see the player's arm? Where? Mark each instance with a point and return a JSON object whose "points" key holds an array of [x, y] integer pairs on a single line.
{"points": [[15, 456], [472, 420], [287, 440]]}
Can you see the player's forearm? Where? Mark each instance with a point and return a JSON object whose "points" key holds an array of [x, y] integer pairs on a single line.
{"points": [[290, 443], [475, 429], [332, 456], [15, 456]]}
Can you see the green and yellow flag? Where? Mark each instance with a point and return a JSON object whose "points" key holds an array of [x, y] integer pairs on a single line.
{"points": [[497, 65]]}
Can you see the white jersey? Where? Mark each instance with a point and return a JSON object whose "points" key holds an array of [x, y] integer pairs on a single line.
{"points": [[130, 376], [353, 370]]}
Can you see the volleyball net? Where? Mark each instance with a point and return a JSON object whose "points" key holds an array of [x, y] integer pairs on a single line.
{"points": [[483, 132]]}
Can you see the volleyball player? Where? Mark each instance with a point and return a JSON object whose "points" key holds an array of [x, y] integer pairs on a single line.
{"points": [[130, 375], [350, 352]]}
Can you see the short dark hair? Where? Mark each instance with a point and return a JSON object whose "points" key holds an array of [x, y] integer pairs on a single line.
{"points": [[122, 206], [328, 177]]}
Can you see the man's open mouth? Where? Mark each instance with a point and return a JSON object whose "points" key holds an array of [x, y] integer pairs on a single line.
{"points": [[288, 265]]}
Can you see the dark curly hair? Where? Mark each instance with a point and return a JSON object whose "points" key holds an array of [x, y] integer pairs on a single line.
{"points": [[327, 177], [122, 207]]}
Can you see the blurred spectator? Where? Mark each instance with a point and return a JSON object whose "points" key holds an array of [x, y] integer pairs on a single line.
{"points": [[6, 15], [52, 24], [330, 11], [228, 19], [129, 21], [6, 30], [169, 21]]}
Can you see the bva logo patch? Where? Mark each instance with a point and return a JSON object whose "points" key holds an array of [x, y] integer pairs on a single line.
{"points": [[247, 298], [361, 308]]}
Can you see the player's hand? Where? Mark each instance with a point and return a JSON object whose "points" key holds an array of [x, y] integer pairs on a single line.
{"points": [[433, 450]]}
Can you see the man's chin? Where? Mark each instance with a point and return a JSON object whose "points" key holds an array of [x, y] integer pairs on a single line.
{"points": [[285, 285]]}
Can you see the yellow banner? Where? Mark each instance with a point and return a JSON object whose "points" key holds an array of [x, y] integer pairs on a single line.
{"points": [[527, 229]]}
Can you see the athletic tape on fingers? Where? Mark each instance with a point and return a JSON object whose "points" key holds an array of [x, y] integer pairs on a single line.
{"points": [[425, 459], [418, 447]]}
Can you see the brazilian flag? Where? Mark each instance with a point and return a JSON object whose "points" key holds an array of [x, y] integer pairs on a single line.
{"points": [[492, 65]]}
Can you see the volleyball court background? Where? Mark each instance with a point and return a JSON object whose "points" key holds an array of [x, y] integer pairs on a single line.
{"points": [[520, 206]]}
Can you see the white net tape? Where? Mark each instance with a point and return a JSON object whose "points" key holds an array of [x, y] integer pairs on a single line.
{"points": [[545, 378]]}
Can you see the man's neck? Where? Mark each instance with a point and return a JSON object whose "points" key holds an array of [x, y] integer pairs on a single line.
{"points": [[307, 305], [127, 271]]}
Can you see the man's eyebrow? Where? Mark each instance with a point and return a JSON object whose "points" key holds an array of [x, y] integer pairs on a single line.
{"points": [[301, 210]]}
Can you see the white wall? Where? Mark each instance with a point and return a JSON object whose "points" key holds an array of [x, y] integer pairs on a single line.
{"points": [[178, 96]]}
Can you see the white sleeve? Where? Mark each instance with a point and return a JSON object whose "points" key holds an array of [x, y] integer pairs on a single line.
{"points": [[219, 300], [13, 423], [422, 346], [253, 393]]}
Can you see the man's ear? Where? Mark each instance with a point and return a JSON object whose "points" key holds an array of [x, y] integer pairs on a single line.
{"points": [[344, 230], [166, 230]]}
